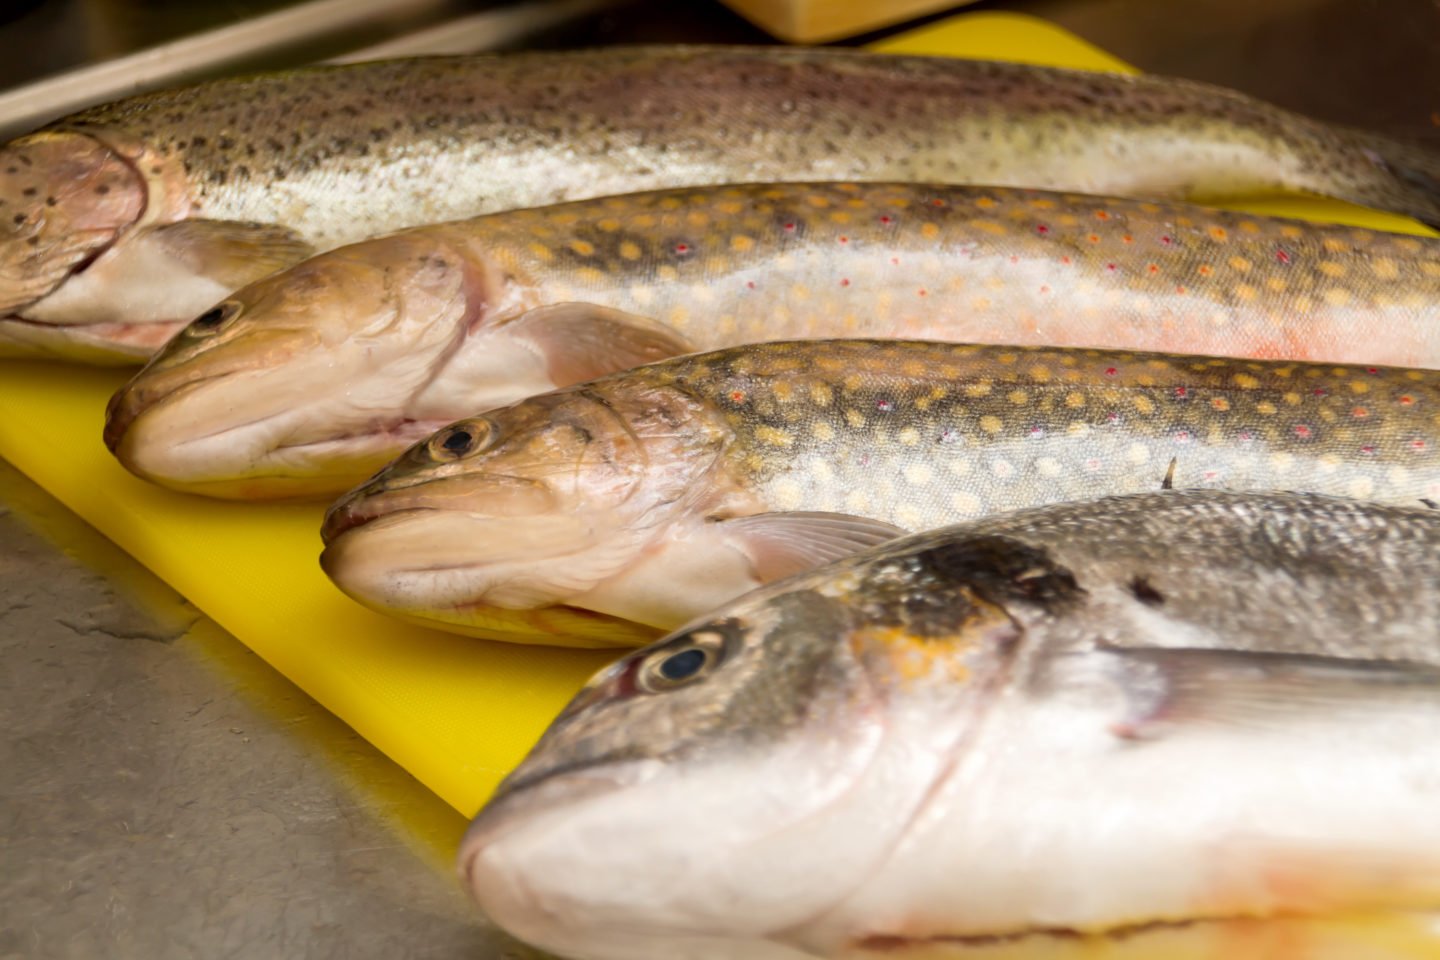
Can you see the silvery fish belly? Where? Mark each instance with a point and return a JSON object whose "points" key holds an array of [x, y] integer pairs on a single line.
{"points": [[122, 222], [308, 381], [609, 510], [1103, 720]]}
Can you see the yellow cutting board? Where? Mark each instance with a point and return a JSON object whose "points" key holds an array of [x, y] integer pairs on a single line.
{"points": [[457, 713]]}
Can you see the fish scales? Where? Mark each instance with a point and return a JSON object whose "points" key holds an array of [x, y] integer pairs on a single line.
{"points": [[986, 265], [649, 496], [921, 434], [1095, 723], [526, 128], [227, 180]]}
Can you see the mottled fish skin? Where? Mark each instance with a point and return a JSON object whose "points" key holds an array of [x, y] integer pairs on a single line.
{"points": [[584, 289], [659, 475], [980, 265], [1092, 719], [331, 155]]}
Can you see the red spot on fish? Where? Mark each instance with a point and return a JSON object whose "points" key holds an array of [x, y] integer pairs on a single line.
{"points": [[1181, 392], [1245, 436], [1045, 288], [1111, 267], [1368, 450], [1127, 239], [1111, 371], [1153, 267], [845, 281], [1014, 259], [1182, 436], [750, 284], [1372, 369], [895, 260], [922, 291], [1210, 475], [1093, 238], [790, 227], [682, 248], [1282, 256], [886, 220], [1180, 288], [937, 202], [1167, 240], [1042, 229], [1320, 392], [1418, 444], [1360, 413], [1036, 433], [1102, 215], [844, 239], [1205, 270], [1406, 400], [1302, 431], [737, 396], [1112, 417], [1065, 260], [884, 406]]}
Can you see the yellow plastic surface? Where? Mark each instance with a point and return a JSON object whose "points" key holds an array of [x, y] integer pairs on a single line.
{"points": [[457, 713]]}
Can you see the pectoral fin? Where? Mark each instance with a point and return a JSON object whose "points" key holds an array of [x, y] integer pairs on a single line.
{"points": [[582, 341], [231, 252], [781, 544], [1166, 688]]}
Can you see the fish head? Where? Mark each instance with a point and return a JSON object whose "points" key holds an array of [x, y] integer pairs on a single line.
{"points": [[305, 381], [516, 511], [729, 790], [65, 198]]}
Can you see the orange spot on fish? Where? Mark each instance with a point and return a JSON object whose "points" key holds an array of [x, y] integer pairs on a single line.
{"points": [[1127, 239], [1406, 400], [1360, 413], [1094, 238], [1102, 215], [1153, 267]]}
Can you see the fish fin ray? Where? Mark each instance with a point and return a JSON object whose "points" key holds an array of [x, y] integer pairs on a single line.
{"points": [[781, 544], [232, 252], [1165, 688], [582, 341]]}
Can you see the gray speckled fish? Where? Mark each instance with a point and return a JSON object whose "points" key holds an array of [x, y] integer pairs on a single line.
{"points": [[650, 496], [121, 222], [306, 382], [1151, 720]]}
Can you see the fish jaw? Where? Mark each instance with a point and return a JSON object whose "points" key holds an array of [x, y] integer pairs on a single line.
{"points": [[68, 198]]}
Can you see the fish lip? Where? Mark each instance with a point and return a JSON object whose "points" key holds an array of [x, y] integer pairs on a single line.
{"points": [[339, 521], [517, 802], [120, 416]]}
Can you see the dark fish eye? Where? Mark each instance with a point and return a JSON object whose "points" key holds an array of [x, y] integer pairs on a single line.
{"points": [[683, 665], [688, 658], [214, 318], [460, 440]]}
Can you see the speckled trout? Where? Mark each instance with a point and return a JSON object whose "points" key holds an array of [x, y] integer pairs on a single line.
{"points": [[1098, 720], [308, 381], [651, 496], [119, 223]]}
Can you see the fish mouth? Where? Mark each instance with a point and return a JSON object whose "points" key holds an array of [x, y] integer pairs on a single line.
{"points": [[344, 516]]}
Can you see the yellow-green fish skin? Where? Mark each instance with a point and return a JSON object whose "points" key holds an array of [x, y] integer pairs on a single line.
{"points": [[691, 467]]}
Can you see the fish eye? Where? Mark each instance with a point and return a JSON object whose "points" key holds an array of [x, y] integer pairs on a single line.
{"points": [[460, 440], [215, 318], [687, 659]]}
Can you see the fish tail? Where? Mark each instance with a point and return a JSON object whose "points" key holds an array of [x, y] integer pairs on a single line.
{"points": [[1389, 175]]}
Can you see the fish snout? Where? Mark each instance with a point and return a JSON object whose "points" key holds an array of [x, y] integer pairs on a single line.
{"points": [[67, 198], [355, 509]]}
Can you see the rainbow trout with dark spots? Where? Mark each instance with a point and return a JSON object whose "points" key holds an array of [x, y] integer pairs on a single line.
{"points": [[645, 498], [1139, 726], [120, 223], [308, 381]]}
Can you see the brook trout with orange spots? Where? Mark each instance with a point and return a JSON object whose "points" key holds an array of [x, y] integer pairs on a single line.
{"points": [[643, 499], [1152, 721], [306, 382], [120, 223]]}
